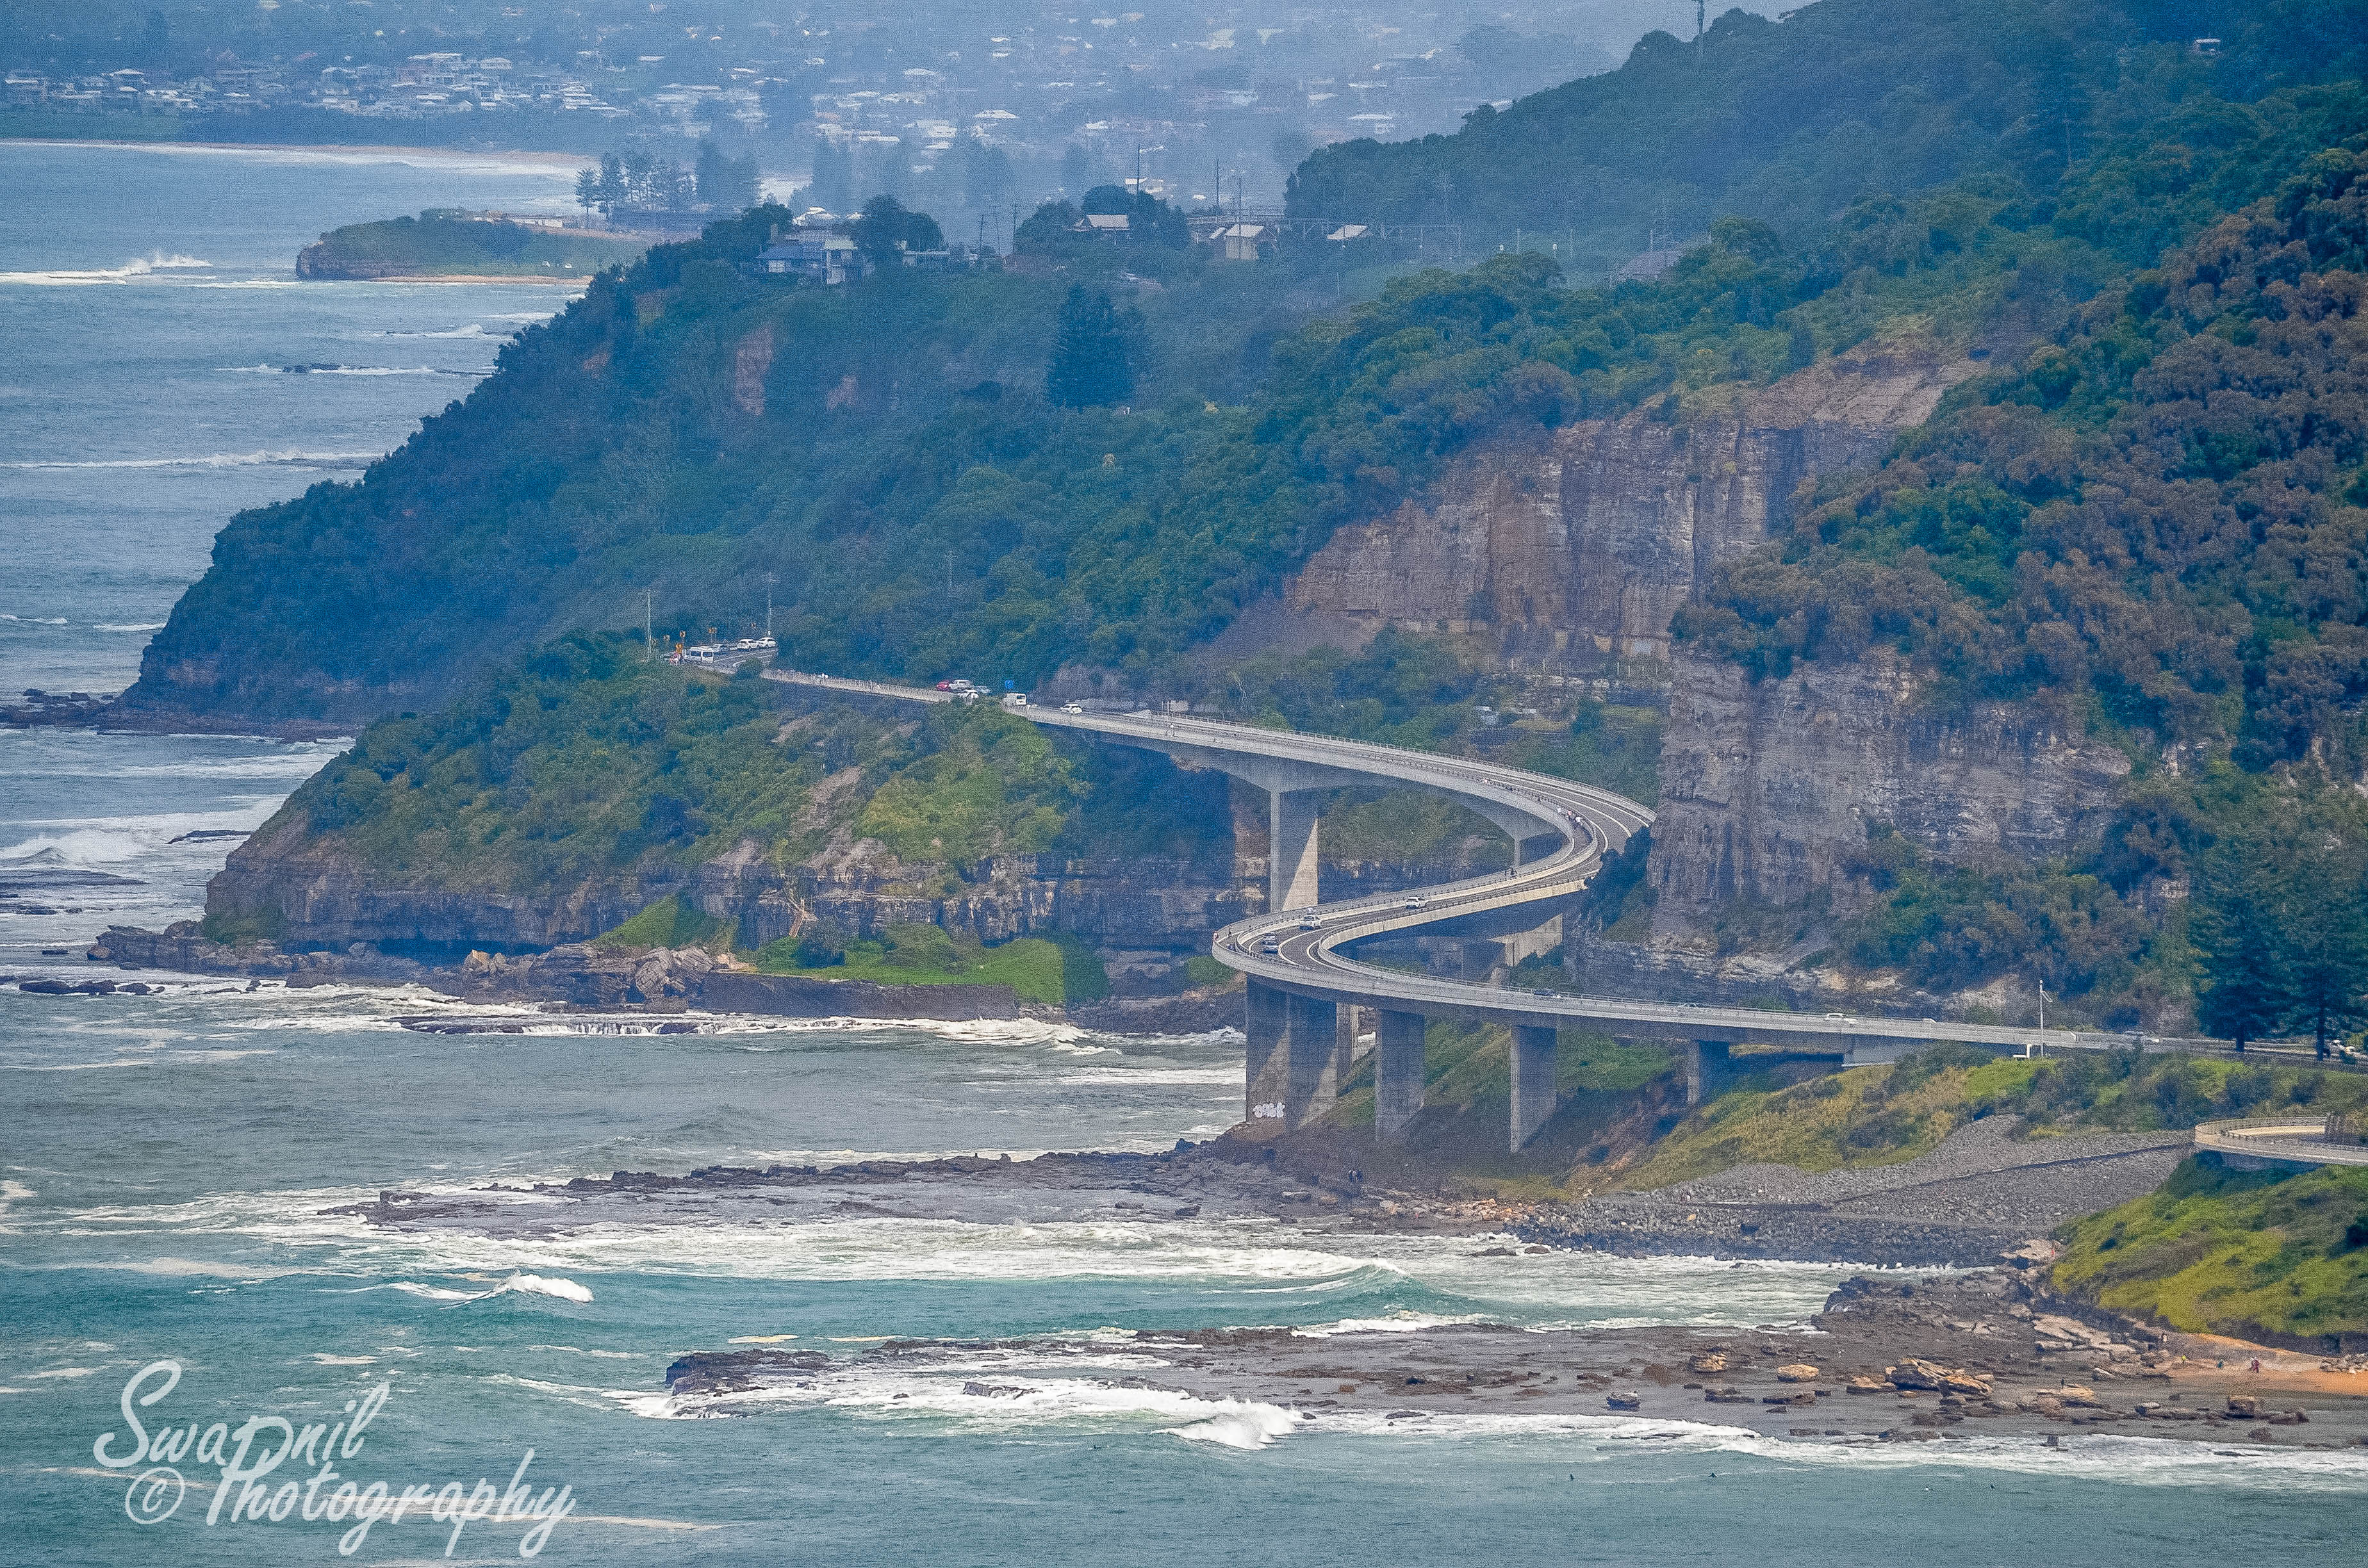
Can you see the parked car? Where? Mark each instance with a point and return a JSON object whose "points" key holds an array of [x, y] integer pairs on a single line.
{"points": [[1072, 708]]}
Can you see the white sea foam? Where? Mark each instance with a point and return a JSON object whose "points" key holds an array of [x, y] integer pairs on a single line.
{"points": [[131, 271], [284, 457], [322, 1359], [62, 1372], [886, 1394], [36, 619], [129, 625], [426, 1293], [536, 1284], [348, 370], [87, 846]]}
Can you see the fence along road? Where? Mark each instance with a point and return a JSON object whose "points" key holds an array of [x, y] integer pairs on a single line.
{"points": [[1304, 987]]}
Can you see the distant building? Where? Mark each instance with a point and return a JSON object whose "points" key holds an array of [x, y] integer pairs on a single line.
{"points": [[817, 258], [1241, 241]]}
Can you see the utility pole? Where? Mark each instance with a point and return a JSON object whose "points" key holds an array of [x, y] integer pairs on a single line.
{"points": [[949, 582], [649, 614], [769, 606]]}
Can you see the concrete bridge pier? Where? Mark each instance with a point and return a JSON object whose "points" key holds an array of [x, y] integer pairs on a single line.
{"points": [[1263, 1071], [1397, 1071], [1533, 1082], [1291, 865], [1708, 1070], [1318, 1060]]}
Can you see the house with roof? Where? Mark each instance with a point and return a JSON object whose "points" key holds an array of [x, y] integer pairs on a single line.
{"points": [[823, 258]]}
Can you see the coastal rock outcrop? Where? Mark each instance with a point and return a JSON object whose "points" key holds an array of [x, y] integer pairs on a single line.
{"points": [[1580, 542], [1770, 789]]}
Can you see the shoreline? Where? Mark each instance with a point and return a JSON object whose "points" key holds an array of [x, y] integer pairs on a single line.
{"points": [[1895, 1357], [571, 161]]}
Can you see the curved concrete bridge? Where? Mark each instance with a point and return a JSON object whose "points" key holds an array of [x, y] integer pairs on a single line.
{"points": [[1307, 987]]}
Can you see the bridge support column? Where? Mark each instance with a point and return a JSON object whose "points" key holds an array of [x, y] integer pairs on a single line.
{"points": [[1348, 1022], [1317, 1061], [1292, 855], [1480, 960], [1533, 1082], [1263, 1070], [1397, 1071], [1708, 1070]]}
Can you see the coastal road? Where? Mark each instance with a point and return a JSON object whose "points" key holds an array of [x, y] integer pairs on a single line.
{"points": [[1300, 956]]}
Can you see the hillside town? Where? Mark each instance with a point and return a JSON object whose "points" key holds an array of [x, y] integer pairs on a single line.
{"points": [[971, 111]]}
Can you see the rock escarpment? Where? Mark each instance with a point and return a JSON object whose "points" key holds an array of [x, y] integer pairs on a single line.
{"points": [[1580, 542], [1768, 787], [1769, 790]]}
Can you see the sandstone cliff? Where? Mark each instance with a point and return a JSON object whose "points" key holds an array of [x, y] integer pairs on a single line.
{"points": [[1768, 787], [1768, 790], [1582, 542]]}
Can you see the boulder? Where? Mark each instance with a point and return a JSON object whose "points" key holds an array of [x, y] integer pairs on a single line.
{"points": [[2245, 1405], [1708, 1361], [1796, 1372], [1916, 1373], [1624, 1401]]}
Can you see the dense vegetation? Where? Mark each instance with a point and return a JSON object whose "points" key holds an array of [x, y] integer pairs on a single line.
{"points": [[1789, 122], [586, 763], [2232, 1252], [2143, 523], [437, 243], [888, 451]]}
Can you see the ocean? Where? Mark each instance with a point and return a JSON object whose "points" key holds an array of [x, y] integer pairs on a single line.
{"points": [[172, 1163]]}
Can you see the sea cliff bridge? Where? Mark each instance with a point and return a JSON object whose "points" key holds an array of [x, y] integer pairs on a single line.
{"points": [[1306, 989]]}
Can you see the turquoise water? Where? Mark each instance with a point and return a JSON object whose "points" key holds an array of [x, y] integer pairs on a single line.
{"points": [[165, 1161]]}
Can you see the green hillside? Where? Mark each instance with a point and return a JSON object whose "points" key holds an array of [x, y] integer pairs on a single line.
{"points": [[1792, 121], [2217, 1251], [443, 243]]}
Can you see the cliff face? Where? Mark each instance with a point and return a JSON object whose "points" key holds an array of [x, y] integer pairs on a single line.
{"points": [[305, 891], [1767, 788], [1582, 542]]}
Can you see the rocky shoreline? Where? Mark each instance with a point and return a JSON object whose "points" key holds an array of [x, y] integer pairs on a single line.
{"points": [[583, 976], [1889, 1360]]}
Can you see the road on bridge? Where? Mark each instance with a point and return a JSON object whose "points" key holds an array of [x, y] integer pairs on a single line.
{"points": [[1299, 956]]}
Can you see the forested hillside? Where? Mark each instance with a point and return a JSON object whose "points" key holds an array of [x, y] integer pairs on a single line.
{"points": [[1792, 121], [2139, 522]]}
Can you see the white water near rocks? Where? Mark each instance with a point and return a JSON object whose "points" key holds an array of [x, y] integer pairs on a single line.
{"points": [[168, 1160]]}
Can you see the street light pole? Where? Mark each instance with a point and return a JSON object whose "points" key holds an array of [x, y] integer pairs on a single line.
{"points": [[768, 607], [649, 621]]}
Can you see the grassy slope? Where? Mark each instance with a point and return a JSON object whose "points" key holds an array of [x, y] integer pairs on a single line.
{"points": [[1049, 970], [2232, 1252], [1875, 1116]]}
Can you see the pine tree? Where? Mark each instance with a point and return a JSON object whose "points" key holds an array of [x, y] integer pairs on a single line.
{"points": [[1089, 364], [2326, 943], [2234, 926]]}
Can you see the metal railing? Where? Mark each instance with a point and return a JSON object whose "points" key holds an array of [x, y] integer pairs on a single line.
{"points": [[2293, 1139]]}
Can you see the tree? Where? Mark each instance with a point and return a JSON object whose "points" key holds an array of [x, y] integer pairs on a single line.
{"points": [[725, 185], [833, 186], [609, 191], [2234, 924], [1090, 358], [2325, 942], [886, 229]]}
